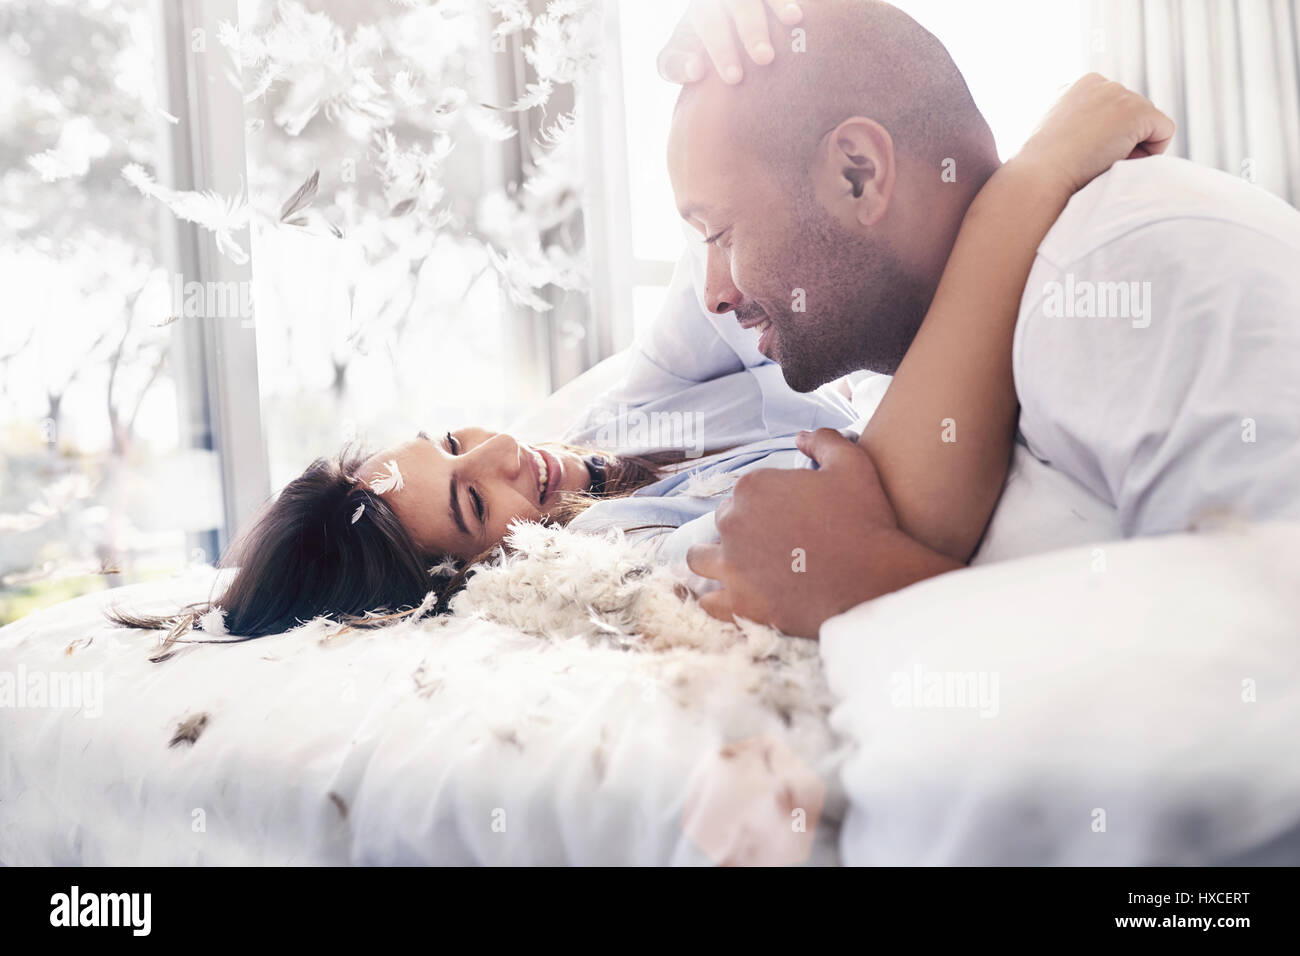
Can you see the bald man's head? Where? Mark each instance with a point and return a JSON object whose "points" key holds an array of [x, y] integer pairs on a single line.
{"points": [[856, 57], [832, 183]]}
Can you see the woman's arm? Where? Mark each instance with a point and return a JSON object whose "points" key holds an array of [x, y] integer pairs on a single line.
{"points": [[959, 365], [959, 368]]}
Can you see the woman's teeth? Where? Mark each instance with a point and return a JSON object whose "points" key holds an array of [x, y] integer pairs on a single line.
{"points": [[543, 474]]}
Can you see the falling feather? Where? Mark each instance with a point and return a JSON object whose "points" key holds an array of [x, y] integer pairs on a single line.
{"points": [[446, 568], [381, 484], [406, 89], [213, 621], [188, 730], [219, 214], [302, 198], [558, 131], [710, 486], [489, 125], [535, 94]]}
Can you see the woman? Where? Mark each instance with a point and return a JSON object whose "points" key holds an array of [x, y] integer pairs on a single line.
{"points": [[379, 533]]}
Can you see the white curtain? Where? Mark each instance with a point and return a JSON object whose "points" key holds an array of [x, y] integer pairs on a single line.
{"points": [[1227, 71]]}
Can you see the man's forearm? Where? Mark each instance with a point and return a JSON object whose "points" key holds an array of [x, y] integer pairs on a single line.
{"points": [[896, 561], [913, 562]]}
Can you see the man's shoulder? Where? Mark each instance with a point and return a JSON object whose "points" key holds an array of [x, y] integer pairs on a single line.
{"points": [[1137, 194]]}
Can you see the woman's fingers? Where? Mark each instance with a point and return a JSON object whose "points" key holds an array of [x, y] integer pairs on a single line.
{"points": [[1161, 134], [1156, 132], [750, 17], [707, 36], [787, 12], [713, 27], [1094, 125], [679, 64]]}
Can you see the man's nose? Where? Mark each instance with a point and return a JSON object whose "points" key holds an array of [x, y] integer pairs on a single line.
{"points": [[720, 292]]}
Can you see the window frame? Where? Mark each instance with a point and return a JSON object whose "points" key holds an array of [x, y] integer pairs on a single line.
{"points": [[617, 271], [214, 358]]}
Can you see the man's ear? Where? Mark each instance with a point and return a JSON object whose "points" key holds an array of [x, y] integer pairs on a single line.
{"points": [[855, 171]]}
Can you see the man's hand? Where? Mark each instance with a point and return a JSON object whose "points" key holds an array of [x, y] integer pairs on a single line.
{"points": [[800, 546], [704, 35]]}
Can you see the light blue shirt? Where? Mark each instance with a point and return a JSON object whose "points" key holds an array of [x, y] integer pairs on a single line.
{"points": [[679, 510]]}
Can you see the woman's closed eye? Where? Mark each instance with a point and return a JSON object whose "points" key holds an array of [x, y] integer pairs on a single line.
{"points": [[480, 509]]}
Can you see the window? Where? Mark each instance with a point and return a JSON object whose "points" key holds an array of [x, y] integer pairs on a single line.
{"points": [[424, 266], [655, 226], [98, 485], [1016, 62]]}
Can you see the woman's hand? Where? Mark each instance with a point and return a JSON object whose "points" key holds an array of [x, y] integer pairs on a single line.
{"points": [[705, 34], [1093, 126]]}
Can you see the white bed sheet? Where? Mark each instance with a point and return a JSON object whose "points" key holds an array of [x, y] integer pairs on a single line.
{"points": [[455, 741]]}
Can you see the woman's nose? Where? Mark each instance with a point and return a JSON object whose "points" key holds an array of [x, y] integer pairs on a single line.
{"points": [[501, 455]]}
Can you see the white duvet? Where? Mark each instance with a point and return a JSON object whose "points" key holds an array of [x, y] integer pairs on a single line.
{"points": [[453, 741]]}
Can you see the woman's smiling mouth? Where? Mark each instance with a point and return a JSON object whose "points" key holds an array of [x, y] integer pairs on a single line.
{"points": [[541, 472], [554, 477], [548, 472]]}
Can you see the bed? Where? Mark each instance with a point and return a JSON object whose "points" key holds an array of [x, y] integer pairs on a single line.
{"points": [[450, 742], [594, 718]]}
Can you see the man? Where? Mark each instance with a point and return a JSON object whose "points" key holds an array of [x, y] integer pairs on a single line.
{"points": [[1158, 346]]}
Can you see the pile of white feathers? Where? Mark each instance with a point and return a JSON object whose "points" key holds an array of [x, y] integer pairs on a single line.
{"points": [[608, 591]]}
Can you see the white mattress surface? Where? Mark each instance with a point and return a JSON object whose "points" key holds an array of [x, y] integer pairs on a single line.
{"points": [[455, 741]]}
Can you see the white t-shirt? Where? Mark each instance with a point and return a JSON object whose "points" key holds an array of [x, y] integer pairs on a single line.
{"points": [[1157, 352]]}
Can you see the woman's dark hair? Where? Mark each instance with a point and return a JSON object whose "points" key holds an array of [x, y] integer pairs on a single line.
{"points": [[329, 546], [304, 557]]}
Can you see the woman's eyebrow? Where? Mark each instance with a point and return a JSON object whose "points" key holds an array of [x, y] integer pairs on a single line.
{"points": [[454, 508], [456, 515]]}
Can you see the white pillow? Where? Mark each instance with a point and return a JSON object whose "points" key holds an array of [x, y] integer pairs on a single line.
{"points": [[551, 419], [1135, 702]]}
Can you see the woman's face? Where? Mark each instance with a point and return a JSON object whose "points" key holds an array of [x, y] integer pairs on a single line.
{"points": [[461, 491]]}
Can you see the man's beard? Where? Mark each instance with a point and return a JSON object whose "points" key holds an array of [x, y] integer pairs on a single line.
{"points": [[863, 306]]}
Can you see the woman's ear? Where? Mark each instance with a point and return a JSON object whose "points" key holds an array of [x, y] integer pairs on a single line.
{"points": [[855, 171]]}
